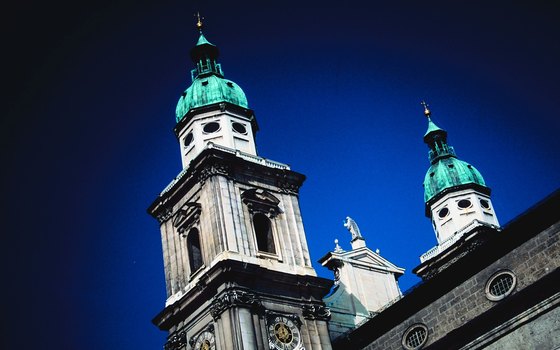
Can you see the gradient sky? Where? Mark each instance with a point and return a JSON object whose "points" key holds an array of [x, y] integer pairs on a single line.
{"points": [[87, 141]]}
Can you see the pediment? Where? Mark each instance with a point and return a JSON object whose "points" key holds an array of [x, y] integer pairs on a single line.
{"points": [[260, 196], [366, 258], [259, 200], [186, 216]]}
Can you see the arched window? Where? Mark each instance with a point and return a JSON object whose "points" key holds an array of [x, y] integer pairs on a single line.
{"points": [[263, 231], [193, 246]]}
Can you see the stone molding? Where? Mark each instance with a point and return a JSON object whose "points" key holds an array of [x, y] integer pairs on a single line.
{"points": [[218, 168], [521, 319]]}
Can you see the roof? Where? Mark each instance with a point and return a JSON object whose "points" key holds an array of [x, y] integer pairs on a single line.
{"points": [[209, 90], [449, 172]]}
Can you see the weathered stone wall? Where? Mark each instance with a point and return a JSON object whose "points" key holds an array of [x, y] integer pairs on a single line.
{"points": [[530, 262], [541, 333]]}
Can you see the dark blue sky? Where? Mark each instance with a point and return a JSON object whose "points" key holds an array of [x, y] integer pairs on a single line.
{"points": [[87, 142]]}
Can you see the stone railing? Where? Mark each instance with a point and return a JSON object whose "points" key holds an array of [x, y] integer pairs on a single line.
{"points": [[438, 249], [246, 156], [249, 157]]}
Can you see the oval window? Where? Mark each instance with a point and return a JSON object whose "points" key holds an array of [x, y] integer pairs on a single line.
{"points": [[485, 204], [211, 127], [188, 139], [464, 204], [500, 285], [238, 127], [443, 212], [415, 337]]}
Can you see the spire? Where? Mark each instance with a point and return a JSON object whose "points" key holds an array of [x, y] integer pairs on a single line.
{"points": [[436, 138], [199, 22], [204, 54], [456, 197], [446, 170]]}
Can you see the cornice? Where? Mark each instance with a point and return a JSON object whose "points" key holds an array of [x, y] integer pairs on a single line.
{"points": [[215, 162]]}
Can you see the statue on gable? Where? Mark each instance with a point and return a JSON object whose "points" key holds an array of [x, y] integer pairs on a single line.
{"points": [[351, 225]]}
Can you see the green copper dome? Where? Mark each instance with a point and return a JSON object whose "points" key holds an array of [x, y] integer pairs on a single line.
{"points": [[208, 90], [208, 83], [446, 171]]}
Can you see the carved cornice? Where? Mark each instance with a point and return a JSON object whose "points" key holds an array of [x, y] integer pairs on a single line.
{"points": [[164, 215], [288, 187], [231, 298], [455, 253], [215, 162], [315, 312], [217, 168]]}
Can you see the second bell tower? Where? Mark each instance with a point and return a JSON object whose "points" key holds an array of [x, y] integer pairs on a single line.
{"points": [[237, 266]]}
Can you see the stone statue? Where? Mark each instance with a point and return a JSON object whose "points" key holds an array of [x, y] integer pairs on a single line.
{"points": [[351, 225]]}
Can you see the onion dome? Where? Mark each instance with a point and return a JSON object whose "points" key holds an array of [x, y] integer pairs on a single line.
{"points": [[446, 172], [208, 83]]}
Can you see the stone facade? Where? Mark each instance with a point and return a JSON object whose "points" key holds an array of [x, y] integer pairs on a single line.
{"points": [[238, 287], [455, 308], [365, 283]]}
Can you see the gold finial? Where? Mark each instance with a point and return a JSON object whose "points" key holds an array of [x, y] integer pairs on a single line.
{"points": [[427, 112], [199, 22]]}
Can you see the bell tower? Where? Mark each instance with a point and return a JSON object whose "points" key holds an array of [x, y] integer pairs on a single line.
{"points": [[237, 266], [456, 198]]}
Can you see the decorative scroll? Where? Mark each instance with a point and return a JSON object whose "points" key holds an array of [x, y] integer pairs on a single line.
{"points": [[288, 187], [176, 342], [233, 297], [315, 312], [164, 215], [214, 169]]}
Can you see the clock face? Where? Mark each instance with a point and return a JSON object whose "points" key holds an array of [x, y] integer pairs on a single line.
{"points": [[205, 341], [283, 334]]}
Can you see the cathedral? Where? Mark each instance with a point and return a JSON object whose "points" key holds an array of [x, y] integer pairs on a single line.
{"points": [[238, 270]]}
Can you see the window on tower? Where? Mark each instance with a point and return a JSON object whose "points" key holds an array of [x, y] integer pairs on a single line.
{"points": [[193, 246], [263, 232]]}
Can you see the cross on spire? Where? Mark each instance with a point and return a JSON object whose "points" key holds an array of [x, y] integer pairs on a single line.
{"points": [[427, 112], [199, 24]]}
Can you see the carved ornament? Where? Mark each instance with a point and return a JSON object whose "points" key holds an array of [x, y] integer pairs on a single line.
{"points": [[231, 298], [261, 201], [315, 312], [176, 342]]}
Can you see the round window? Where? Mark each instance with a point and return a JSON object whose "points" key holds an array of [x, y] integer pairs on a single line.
{"points": [[443, 212], [485, 204], [188, 139], [464, 204], [238, 127], [211, 127], [415, 337], [500, 285]]}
